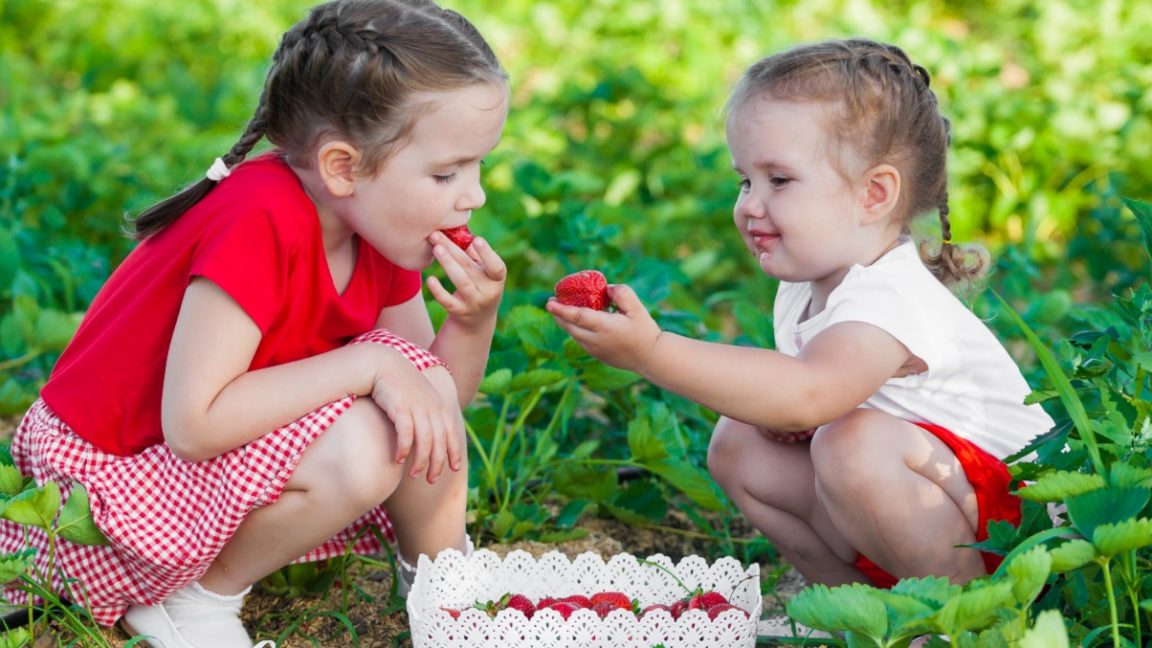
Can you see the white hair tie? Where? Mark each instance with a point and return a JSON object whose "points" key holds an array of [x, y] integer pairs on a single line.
{"points": [[218, 171]]}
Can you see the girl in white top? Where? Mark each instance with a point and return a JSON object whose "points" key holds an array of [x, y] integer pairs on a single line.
{"points": [[879, 426]]}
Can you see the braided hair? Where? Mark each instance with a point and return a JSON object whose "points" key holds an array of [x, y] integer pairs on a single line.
{"points": [[888, 113], [350, 69]]}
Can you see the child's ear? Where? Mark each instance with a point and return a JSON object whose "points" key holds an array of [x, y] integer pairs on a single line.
{"points": [[881, 191], [336, 162]]}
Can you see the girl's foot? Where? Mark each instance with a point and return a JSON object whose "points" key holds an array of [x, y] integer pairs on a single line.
{"points": [[192, 617]]}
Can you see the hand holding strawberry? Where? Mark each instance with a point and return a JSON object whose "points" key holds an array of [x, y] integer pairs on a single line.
{"points": [[477, 273], [586, 289], [623, 339]]}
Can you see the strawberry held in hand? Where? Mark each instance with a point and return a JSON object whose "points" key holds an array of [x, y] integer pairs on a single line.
{"points": [[587, 289], [461, 236]]}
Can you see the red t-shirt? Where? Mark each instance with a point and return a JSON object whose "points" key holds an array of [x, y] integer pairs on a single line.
{"points": [[257, 236]]}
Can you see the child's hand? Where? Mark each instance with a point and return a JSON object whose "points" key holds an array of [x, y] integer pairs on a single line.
{"points": [[780, 436], [424, 410], [478, 274], [622, 339]]}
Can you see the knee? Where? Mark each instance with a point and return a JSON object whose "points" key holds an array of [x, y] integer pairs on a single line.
{"points": [[725, 448], [360, 468], [841, 449]]}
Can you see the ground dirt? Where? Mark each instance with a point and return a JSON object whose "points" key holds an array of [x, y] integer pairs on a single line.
{"points": [[310, 622]]}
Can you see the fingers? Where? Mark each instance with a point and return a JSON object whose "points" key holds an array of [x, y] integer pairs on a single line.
{"points": [[625, 299]]}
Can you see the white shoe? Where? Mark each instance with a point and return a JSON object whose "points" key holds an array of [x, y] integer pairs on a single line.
{"points": [[192, 617]]}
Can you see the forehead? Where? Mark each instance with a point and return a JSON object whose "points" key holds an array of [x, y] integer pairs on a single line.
{"points": [[764, 129], [461, 121]]}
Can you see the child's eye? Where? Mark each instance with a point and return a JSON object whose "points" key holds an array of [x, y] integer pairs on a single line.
{"points": [[745, 184], [445, 179], [779, 181]]}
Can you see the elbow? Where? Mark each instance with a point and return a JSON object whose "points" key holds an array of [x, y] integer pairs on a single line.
{"points": [[182, 441]]}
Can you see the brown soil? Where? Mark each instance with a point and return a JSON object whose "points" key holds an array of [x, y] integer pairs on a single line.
{"points": [[302, 622]]}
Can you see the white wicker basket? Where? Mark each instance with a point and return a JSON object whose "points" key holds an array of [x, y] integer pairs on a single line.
{"points": [[457, 582]]}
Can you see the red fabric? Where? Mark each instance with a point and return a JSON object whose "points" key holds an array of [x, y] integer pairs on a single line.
{"points": [[257, 236], [166, 519], [991, 481]]}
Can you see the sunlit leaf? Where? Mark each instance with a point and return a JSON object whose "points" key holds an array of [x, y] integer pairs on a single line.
{"points": [[497, 382], [11, 480], [847, 607], [973, 609], [1029, 571], [1128, 535], [643, 442], [35, 507], [1071, 555], [75, 521], [1048, 632], [14, 564], [535, 378], [1058, 485]]}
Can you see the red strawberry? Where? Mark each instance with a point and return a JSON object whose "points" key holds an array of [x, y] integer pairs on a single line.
{"points": [[454, 613], [602, 608], [522, 603], [706, 600], [547, 601], [715, 610], [565, 609], [616, 599], [587, 288], [677, 608], [578, 600], [654, 607], [461, 236]]}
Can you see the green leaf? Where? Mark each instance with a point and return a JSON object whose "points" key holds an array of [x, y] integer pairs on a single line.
{"points": [[535, 378], [1127, 475], [11, 480], [35, 507], [1068, 396], [1106, 506], [643, 443], [852, 607], [1071, 555], [640, 502], [1048, 632], [1143, 212], [585, 481], [75, 521], [1029, 571], [497, 382], [13, 565], [974, 609], [1058, 485], [688, 479], [54, 329], [935, 589], [1128, 535], [600, 377]]}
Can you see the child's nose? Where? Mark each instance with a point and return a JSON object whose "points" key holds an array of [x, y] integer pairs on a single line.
{"points": [[474, 198]]}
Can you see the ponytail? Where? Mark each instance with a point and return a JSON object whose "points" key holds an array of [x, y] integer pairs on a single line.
{"points": [[162, 214], [954, 264]]}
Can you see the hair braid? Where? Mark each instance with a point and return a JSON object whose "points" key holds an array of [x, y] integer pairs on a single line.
{"points": [[351, 69]]}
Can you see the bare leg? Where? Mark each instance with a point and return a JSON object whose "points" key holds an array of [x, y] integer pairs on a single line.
{"points": [[345, 473], [898, 495], [774, 486]]}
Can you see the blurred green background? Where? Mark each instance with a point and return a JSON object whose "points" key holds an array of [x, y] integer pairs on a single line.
{"points": [[613, 155]]}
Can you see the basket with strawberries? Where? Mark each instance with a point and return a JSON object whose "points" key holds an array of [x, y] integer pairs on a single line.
{"points": [[520, 601]]}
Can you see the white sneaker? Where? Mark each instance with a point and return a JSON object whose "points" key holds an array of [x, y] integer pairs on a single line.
{"points": [[192, 617]]}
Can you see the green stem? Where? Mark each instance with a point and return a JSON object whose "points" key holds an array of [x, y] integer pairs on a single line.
{"points": [[1106, 568], [22, 360]]}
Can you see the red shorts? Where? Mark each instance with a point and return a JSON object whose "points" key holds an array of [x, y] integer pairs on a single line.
{"points": [[989, 478]]}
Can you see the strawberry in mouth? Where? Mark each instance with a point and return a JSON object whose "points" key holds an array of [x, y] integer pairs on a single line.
{"points": [[461, 236]]}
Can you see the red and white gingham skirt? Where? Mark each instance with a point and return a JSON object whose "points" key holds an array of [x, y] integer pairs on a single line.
{"points": [[166, 519]]}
